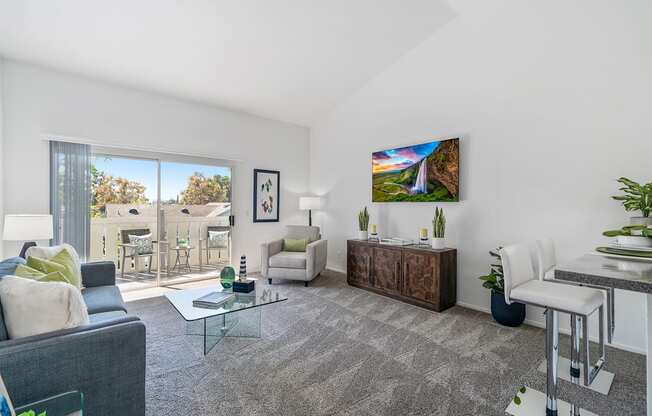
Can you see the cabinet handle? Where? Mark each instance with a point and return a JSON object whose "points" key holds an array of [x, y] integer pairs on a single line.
{"points": [[397, 269], [368, 268]]}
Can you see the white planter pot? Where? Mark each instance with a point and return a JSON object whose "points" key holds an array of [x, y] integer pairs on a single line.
{"points": [[363, 235], [641, 221], [438, 243]]}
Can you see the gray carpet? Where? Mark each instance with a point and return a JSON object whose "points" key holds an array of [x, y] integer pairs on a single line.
{"points": [[336, 350]]}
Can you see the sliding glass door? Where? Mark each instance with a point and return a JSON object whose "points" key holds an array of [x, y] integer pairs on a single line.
{"points": [[195, 228], [162, 220]]}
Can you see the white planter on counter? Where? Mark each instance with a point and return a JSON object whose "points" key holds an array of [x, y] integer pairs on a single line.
{"points": [[363, 235], [438, 243]]}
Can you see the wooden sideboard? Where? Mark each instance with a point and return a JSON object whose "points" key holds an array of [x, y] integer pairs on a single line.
{"points": [[414, 274]]}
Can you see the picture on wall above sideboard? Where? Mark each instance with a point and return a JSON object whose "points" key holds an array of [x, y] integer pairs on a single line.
{"points": [[427, 172]]}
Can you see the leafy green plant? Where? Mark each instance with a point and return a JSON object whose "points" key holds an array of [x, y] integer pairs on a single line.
{"points": [[363, 219], [637, 197], [517, 400], [629, 230], [495, 280], [439, 223]]}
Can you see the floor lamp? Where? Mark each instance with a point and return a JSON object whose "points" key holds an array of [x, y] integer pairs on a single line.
{"points": [[308, 203]]}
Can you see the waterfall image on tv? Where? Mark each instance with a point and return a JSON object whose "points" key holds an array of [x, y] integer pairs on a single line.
{"points": [[427, 172]]}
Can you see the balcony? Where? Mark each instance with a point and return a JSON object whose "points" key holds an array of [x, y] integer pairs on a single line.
{"points": [[185, 234]]}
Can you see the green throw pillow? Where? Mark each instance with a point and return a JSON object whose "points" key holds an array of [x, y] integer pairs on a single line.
{"points": [[45, 266], [30, 273], [65, 259], [290, 244]]}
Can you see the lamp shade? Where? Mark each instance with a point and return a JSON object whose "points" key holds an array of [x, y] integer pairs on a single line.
{"points": [[310, 202], [28, 227]]}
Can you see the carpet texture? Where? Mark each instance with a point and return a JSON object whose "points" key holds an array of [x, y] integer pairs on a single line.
{"points": [[336, 350]]}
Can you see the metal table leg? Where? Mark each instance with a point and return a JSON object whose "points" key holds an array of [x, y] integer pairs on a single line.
{"points": [[552, 346]]}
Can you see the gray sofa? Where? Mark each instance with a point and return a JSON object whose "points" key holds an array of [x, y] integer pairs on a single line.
{"points": [[105, 360], [279, 264]]}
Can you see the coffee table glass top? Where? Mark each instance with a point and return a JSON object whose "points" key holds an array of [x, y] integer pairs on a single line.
{"points": [[182, 301]]}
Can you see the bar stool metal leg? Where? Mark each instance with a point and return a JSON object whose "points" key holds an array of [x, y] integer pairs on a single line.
{"points": [[552, 347], [576, 334]]}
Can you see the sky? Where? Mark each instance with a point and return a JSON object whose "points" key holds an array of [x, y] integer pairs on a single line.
{"points": [[402, 157], [174, 176]]}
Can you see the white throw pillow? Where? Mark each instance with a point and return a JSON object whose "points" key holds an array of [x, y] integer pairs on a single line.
{"points": [[31, 307], [49, 252]]}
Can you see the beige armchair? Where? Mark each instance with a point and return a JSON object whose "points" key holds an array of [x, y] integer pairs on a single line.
{"points": [[276, 263]]}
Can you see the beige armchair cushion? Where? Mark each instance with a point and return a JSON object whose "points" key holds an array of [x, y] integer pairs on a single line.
{"points": [[288, 260], [303, 231]]}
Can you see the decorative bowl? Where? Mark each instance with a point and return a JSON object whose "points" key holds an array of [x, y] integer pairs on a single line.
{"points": [[634, 241]]}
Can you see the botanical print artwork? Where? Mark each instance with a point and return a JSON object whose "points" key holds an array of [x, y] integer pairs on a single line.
{"points": [[425, 172], [266, 195]]}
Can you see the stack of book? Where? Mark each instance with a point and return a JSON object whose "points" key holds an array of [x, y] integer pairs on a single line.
{"points": [[213, 300]]}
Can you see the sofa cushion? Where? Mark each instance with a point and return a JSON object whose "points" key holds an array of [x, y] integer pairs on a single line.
{"points": [[310, 233], [32, 308], [29, 273], [3, 328], [103, 299], [96, 318], [288, 260], [8, 266], [69, 259]]}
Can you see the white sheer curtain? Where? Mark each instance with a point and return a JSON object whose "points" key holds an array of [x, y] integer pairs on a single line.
{"points": [[70, 194]]}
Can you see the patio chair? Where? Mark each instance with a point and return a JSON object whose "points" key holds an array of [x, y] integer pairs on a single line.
{"points": [[130, 251], [217, 245]]}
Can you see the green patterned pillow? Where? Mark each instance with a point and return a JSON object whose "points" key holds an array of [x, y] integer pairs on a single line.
{"points": [[290, 244], [65, 259], [30, 273]]}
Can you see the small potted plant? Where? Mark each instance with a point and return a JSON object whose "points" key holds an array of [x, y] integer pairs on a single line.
{"points": [[508, 315], [363, 224], [637, 198], [438, 229]]}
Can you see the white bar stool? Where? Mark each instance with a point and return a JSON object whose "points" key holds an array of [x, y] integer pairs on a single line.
{"points": [[547, 261], [521, 285]]}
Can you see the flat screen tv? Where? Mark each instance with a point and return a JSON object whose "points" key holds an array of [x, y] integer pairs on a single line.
{"points": [[427, 172]]}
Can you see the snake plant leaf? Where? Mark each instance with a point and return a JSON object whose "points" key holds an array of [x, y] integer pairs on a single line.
{"points": [[522, 390], [615, 233], [517, 400]]}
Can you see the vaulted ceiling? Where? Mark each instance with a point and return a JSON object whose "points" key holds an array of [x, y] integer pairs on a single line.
{"points": [[290, 60]]}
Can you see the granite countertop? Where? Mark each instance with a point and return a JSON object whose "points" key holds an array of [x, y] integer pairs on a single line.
{"points": [[633, 275]]}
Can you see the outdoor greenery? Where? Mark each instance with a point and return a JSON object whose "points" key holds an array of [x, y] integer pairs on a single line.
{"points": [[106, 189], [363, 219], [495, 280], [201, 189], [439, 223], [637, 197]]}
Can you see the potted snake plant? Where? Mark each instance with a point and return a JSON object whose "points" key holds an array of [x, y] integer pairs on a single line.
{"points": [[508, 315], [438, 229], [363, 224]]}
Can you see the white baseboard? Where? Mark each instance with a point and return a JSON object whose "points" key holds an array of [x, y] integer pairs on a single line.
{"points": [[540, 324], [336, 269]]}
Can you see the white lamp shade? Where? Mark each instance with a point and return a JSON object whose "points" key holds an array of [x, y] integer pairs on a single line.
{"points": [[310, 202], [27, 227]]}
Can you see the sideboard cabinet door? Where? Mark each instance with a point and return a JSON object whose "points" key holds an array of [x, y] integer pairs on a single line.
{"points": [[421, 276], [359, 264], [386, 270]]}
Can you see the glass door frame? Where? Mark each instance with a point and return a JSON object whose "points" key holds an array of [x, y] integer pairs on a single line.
{"points": [[159, 158]]}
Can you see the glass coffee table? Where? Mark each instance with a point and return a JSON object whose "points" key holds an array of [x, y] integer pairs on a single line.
{"points": [[238, 317]]}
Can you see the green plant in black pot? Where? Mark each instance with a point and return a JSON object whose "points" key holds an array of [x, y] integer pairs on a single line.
{"points": [[504, 314]]}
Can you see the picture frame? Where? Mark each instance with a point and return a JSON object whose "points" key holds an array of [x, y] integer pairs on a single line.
{"points": [[267, 195]]}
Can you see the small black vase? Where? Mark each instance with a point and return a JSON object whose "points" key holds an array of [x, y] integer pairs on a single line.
{"points": [[504, 314]]}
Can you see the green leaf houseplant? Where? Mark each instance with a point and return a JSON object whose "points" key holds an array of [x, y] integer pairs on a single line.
{"points": [[637, 197], [363, 224], [439, 229], [509, 315]]}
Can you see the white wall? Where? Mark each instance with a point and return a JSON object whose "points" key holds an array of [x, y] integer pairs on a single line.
{"points": [[553, 101], [39, 101]]}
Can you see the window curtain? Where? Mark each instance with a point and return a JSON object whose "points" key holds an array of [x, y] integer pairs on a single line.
{"points": [[70, 195]]}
